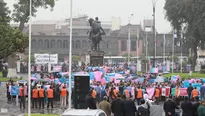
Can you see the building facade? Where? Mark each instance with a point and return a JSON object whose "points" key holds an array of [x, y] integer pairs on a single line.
{"points": [[53, 37]]}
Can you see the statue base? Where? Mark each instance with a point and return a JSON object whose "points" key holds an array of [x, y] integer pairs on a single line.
{"points": [[95, 58]]}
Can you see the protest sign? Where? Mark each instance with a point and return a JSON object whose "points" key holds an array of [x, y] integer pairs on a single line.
{"points": [[14, 90], [150, 92], [183, 92], [46, 58]]}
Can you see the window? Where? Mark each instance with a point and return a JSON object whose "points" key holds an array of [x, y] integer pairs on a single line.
{"points": [[46, 44], [73, 44], [65, 44], [52, 43], [33, 43], [59, 44], [123, 45], [78, 44], [133, 45], [84, 44], [40, 43], [108, 44]]}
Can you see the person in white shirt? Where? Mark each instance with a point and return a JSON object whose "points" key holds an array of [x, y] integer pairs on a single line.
{"points": [[146, 98]]}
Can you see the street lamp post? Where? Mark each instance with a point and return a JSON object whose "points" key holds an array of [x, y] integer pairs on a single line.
{"points": [[129, 39], [154, 2]]}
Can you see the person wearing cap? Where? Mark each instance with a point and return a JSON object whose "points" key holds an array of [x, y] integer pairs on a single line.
{"points": [[105, 106]]}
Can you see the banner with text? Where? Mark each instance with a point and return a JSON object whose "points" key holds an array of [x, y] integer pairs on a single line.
{"points": [[46, 58]]}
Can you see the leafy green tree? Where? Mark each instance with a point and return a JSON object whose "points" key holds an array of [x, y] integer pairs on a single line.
{"points": [[32, 59], [21, 10], [11, 41], [4, 13], [176, 59], [75, 58], [190, 14]]}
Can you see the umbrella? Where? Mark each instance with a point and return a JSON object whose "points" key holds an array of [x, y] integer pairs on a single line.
{"points": [[120, 78]]}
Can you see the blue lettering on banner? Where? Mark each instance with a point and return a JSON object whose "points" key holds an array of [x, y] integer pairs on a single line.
{"points": [[14, 90]]}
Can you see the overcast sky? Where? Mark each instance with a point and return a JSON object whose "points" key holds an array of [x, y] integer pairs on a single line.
{"points": [[105, 9]]}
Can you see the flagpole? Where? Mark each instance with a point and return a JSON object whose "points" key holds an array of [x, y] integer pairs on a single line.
{"points": [[29, 60], [146, 51], [181, 51], [70, 53], [137, 51], [164, 50], [173, 54]]}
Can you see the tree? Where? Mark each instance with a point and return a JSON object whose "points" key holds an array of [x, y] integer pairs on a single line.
{"points": [[75, 58], [21, 10], [4, 13], [32, 59], [11, 41], [176, 59], [190, 14]]}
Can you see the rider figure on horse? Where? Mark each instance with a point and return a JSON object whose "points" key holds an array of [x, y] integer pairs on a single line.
{"points": [[96, 32]]}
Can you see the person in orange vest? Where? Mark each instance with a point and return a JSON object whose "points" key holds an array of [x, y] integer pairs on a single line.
{"points": [[195, 93], [50, 97], [41, 97], [22, 97], [157, 95], [34, 97], [138, 95], [63, 94], [94, 93]]}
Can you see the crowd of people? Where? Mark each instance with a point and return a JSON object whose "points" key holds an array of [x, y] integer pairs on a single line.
{"points": [[117, 98]]}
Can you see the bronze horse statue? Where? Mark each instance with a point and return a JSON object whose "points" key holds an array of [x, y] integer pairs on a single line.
{"points": [[95, 34]]}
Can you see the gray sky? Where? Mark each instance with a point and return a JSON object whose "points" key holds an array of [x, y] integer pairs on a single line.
{"points": [[105, 9]]}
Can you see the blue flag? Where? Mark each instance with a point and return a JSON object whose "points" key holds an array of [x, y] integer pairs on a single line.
{"points": [[14, 90]]}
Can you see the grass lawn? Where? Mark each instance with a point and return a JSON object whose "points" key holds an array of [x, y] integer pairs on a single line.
{"points": [[186, 75], [4, 79], [43, 115]]}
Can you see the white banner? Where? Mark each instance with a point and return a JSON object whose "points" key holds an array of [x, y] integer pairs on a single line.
{"points": [[46, 58]]}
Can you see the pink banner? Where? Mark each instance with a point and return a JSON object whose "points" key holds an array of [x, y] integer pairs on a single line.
{"points": [[98, 75], [25, 90], [57, 68], [150, 92], [183, 92]]}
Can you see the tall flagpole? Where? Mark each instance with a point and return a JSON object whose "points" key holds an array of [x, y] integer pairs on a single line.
{"points": [[173, 53], [70, 53], [29, 60], [146, 51], [129, 46], [182, 36], [164, 50]]}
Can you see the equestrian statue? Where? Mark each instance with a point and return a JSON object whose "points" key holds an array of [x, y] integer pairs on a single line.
{"points": [[95, 33]]}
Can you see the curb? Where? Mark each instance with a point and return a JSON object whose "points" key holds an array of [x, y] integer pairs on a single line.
{"points": [[21, 115]]}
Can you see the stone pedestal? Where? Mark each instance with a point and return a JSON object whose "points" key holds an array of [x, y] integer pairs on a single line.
{"points": [[95, 58]]}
